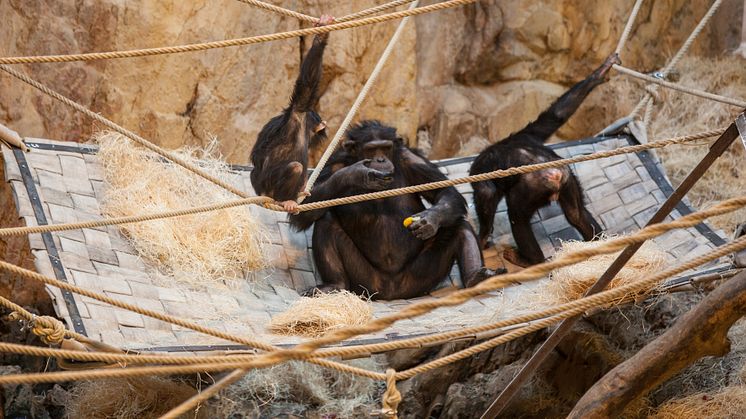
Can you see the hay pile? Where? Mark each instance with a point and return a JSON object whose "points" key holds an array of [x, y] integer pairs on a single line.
{"points": [[571, 282], [301, 389], [199, 249], [728, 403], [133, 398], [314, 316]]}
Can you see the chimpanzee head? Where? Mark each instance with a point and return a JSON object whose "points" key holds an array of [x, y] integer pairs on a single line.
{"points": [[316, 128], [374, 141]]}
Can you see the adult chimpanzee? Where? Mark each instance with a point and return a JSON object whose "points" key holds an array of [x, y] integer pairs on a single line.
{"points": [[365, 247], [527, 193], [280, 154]]}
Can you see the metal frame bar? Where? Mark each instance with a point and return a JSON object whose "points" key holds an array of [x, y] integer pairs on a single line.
{"points": [[716, 150], [54, 256]]}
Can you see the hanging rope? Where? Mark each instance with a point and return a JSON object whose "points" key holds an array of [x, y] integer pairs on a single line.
{"points": [[628, 27], [281, 10], [356, 105], [127, 133], [145, 52]]}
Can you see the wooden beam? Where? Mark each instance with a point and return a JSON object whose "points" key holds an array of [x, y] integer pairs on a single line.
{"points": [[703, 331]]}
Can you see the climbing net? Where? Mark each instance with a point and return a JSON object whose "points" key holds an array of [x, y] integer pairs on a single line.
{"points": [[318, 351]]}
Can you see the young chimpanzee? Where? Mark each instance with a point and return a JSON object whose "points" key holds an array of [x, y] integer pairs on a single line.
{"points": [[280, 154], [365, 247], [527, 193]]}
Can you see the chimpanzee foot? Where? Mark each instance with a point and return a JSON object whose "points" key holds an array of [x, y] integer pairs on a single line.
{"points": [[512, 256], [482, 274]]}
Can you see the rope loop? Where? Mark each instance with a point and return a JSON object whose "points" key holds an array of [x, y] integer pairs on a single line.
{"points": [[392, 397], [50, 330]]}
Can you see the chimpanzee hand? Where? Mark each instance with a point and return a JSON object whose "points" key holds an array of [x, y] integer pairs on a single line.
{"points": [[359, 174], [325, 20], [603, 71], [424, 224]]}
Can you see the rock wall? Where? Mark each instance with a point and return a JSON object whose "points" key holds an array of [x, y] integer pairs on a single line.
{"points": [[459, 78]]}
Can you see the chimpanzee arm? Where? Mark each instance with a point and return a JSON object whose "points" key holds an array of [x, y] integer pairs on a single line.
{"points": [[447, 203], [565, 106], [306, 91], [338, 180]]}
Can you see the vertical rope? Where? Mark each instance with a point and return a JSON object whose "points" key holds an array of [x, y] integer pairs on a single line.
{"points": [[392, 397], [356, 105], [628, 28]]}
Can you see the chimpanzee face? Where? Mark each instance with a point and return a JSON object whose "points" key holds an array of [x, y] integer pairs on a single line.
{"points": [[380, 153]]}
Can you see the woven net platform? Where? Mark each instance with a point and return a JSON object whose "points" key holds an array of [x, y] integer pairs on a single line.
{"points": [[61, 182]]}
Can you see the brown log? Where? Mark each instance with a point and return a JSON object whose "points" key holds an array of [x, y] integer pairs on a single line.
{"points": [[703, 331]]}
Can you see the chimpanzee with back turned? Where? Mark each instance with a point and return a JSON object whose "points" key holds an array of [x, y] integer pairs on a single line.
{"points": [[365, 247], [280, 154], [527, 193]]}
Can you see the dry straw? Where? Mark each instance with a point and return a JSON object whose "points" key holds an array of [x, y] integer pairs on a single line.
{"points": [[314, 316], [297, 389], [130, 398], [728, 403], [571, 282], [200, 249]]}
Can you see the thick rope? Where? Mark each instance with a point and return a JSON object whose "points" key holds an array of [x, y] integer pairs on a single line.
{"points": [[391, 397], [233, 42], [19, 231], [28, 274], [675, 86], [281, 10], [304, 350], [628, 27], [577, 307], [372, 10], [127, 133], [311, 19], [356, 105], [265, 202]]}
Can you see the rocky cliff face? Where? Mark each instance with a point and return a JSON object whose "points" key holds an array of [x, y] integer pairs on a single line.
{"points": [[458, 80]]}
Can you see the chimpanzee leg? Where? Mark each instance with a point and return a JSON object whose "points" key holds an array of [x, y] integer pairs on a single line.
{"points": [[486, 199], [433, 264], [339, 262], [521, 207], [571, 201]]}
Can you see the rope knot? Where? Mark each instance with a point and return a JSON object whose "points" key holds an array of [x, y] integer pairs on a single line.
{"points": [[50, 330], [392, 397], [652, 89]]}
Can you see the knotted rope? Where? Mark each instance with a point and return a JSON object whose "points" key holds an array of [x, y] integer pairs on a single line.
{"points": [[392, 397]]}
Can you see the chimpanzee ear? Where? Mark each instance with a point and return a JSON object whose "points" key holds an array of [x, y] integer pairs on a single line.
{"points": [[399, 141], [350, 146]]}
